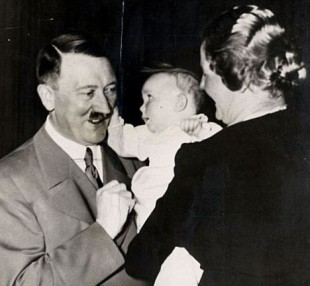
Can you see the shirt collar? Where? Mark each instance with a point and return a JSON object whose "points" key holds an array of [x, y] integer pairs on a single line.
{"points": [[75, 150]]}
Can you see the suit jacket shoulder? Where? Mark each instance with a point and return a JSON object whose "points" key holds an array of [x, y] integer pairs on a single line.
{"points": [[47, 218]]}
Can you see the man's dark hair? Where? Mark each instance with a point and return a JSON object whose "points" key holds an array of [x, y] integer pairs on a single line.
{"points": [[49, 57]]}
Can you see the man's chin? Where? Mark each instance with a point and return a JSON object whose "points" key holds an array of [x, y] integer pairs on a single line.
{"points": [[94, 139]]}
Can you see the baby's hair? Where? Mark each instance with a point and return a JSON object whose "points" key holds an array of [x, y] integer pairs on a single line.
{"points": [[186, 81]]}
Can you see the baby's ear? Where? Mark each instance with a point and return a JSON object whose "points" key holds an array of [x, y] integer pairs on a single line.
{"points": [[181, 102]]}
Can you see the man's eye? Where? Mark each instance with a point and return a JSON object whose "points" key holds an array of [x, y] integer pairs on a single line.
{"points": [[90, 93], [110, 91], [149, 96]]}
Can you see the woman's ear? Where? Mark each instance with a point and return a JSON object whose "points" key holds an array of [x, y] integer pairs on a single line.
{"points": [[181, 102], [47, 96]]}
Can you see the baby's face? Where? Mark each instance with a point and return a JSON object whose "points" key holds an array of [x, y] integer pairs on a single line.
{"points": [[159, 95]]}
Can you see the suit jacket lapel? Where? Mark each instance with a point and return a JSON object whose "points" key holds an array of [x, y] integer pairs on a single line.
{"points": [[71, 192]]}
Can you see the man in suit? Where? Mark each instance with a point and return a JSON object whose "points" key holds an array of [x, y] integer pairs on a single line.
{"points": [[57, 228]]}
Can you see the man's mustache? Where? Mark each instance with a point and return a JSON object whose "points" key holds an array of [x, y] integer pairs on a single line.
{"points": [[99, 116]]}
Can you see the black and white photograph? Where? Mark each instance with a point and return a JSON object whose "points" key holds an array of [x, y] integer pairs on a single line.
{"points": [[155, 142]]}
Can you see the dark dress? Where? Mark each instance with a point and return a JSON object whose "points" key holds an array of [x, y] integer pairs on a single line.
{"points": [[240, 204]]}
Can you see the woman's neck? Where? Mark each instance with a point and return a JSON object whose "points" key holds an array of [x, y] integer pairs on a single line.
{"points": [[251, 105]]}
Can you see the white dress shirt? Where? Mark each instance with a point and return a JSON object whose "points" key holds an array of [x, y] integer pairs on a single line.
{"points": [[75, 150]]}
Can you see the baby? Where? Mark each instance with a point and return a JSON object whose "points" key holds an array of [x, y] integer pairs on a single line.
{"points": [[171, 101], [171, 98]]}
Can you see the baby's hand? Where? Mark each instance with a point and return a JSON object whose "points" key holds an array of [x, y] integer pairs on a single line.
{"points": [[116, 120], [194, 124]]}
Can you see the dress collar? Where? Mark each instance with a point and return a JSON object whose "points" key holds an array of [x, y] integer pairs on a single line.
{"points": [[262, 113]]}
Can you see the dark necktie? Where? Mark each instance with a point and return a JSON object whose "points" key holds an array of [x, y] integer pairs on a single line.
{"points": [[90, 170]]}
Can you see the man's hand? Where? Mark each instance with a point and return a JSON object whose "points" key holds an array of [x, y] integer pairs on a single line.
{"points": [[114, 203]]}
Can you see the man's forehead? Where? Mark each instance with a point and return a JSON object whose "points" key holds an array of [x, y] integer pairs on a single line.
{"points": [[80, 70], [81, 65], [72, 60]]}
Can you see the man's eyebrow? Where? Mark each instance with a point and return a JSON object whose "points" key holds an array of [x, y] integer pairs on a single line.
{"points": [[90, 86], [111, 83]]}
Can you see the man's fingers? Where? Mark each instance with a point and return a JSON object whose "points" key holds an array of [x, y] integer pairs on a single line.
{"points": [[126, 194], [117, 188], [111, 187], [115, 200], [121, 199], [129, 203]]}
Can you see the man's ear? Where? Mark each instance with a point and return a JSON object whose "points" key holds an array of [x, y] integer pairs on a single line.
{"points": [[47, 96], [181, 102]]}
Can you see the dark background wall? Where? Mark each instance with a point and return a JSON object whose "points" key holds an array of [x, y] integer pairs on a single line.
{"points": [[137, 33]]}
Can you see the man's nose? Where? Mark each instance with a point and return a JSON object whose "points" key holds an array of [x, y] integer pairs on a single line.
{"points": [[102, 104], [102, 101]]}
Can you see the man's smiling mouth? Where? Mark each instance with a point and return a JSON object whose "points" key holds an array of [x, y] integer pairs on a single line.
{"points": [[97, 118]]}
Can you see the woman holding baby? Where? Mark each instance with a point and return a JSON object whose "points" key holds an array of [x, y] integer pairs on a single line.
{"points": [[239, 201]]}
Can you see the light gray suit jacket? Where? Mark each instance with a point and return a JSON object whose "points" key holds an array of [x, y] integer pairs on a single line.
{"points": [[48, 233]]}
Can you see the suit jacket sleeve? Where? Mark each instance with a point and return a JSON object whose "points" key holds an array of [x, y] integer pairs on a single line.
{"points": [[87, 258]]}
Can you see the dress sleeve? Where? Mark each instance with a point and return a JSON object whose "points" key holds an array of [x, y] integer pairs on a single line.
{"points": [[127, 140]]}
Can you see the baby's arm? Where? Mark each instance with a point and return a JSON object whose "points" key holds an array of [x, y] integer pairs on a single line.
{"points": [[124, 139], [199, 128]]}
